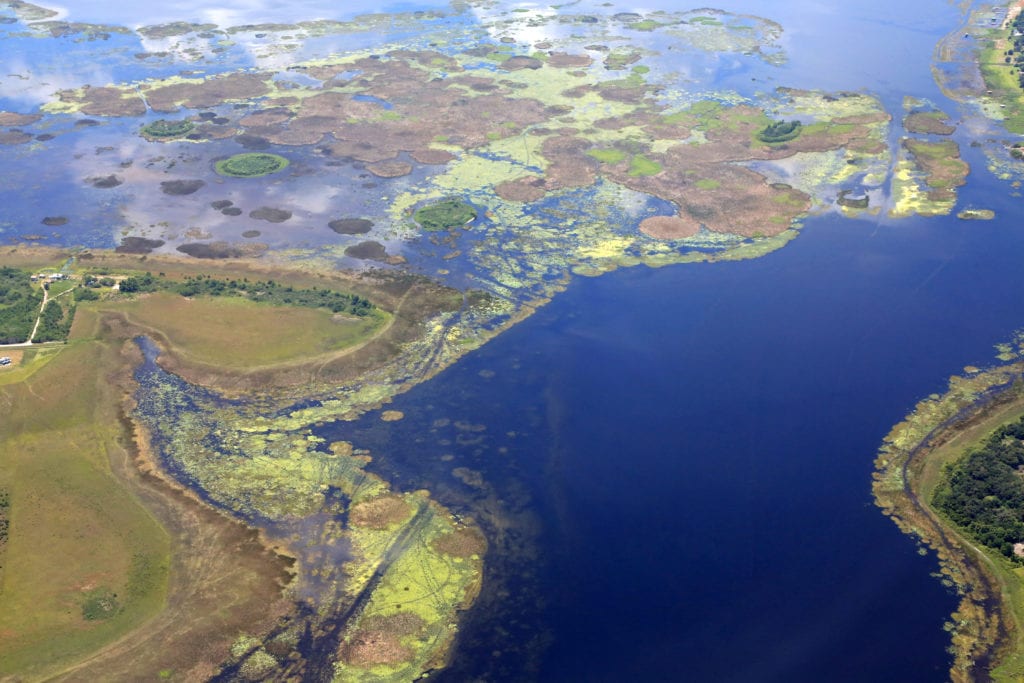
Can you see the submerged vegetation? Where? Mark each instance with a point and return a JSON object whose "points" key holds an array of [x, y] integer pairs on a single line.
{"points": [[251, 165]]}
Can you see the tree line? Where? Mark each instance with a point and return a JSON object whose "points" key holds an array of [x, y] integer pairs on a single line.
{"points": [[983, 492], [265, 291], [19, 305]]}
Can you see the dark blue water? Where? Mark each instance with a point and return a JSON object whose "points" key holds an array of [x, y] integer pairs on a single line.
{"points": [[697, 445]]}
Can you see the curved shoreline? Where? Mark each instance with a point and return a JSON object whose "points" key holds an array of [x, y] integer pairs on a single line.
{"points": [[985, 630]]}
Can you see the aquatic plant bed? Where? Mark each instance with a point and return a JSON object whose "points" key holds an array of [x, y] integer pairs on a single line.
{"points": [[251, 165]]}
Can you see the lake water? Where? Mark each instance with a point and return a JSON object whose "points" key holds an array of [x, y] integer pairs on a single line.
{"points": [[698, 444], [675, 465]]}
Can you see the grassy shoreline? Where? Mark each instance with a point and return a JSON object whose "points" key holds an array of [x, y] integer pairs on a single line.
{"points": [[985, 630]]}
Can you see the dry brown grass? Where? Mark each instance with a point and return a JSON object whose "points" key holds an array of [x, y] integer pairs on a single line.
{"points": [[380, 512], [464, 542]]}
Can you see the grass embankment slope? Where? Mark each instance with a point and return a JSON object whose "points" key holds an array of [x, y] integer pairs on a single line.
{"points": [[987, 640], [113, 573], [282, 352], [84, 562], [1009, 576], [234, 333]]}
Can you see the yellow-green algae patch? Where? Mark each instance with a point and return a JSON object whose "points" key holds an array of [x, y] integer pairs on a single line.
{"points": [[276, 470], [407, 624], [926, 178]]}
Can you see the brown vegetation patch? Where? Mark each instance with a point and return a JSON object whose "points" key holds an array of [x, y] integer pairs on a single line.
{"points": [[463, 542], [266, 117], [369, 250], [741, 202], [10, 118], [207, 93], [380, 513], [54, 221], [435, 157], [105, 182], [928, 123], [565, 60], [212, 132], [105, 101], [249, 234], [862, 119], [669, 227], [231, 211], [570, 165], [618, 93], [221, 250], [378, 640], [361, 151], [293, 135], [14, 137], [578, 91], [351, 226], [138, 245], [270, 214], [181, 187], [520, 62], [337, 107], [390, 169], [941, 163], [221, 204], [526, 189]]}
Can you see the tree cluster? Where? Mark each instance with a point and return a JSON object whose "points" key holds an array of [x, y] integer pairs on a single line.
{"points": [[983, 492], [266, 291], [55, 322], [1015, 55], [19, 304], [780, 131]]}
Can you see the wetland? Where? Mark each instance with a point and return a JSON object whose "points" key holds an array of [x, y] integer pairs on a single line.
{"points": [[315, 331]]}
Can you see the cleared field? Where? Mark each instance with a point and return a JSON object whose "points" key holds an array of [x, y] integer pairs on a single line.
{"points": [[235, 333], [84, 562]]}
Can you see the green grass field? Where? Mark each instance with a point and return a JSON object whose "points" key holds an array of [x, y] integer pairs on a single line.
{"points": [[235, 333], [85, 563], [1010, 577]]}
